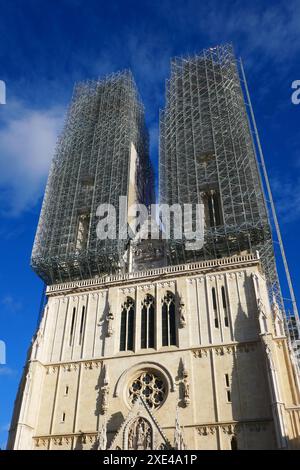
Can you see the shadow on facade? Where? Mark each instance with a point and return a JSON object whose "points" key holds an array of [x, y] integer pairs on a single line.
{"points": [[179, 381], [245, 400]]}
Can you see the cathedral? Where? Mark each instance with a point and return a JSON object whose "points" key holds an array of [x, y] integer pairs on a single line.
{"points": [[143, 344]]}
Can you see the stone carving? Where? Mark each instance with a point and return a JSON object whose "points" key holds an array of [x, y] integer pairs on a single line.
{"points": [[262, 317], [231, 429], [228, 349], [185, 384], [206, 430], [110, 318], [277, 319], [257, 427], [140, 435], [70, 367], [90, 365], [200, 353], [178, 434], [182, 314], [151, 387], [270, 357], [105, 391], [102, 437]]}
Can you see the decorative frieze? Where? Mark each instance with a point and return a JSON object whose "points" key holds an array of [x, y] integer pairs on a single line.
{"points": [[257, 427], [206, 430], [200, 352], [52, 369], [146, 287], [42, 442], [165, 285], [65, 440], [128, 290], [221, 350], [232, 428], [179, 270], [90, 365], [73, 366]]}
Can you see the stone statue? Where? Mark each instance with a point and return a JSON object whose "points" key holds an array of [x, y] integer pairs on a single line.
{"points": [[110, 318], [102, 437], [182, 315], [140, 435], [186, 386], [262, 317], [130, 439], [105, 391]]}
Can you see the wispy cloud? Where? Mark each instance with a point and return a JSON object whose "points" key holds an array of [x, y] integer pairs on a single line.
{"points": [[286, 192], [7, 371], [10, 304], [4, 427], [262, 31], [27, 143]]}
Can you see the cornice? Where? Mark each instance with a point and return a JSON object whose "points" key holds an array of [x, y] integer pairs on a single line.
{"points": [[188, 269]]}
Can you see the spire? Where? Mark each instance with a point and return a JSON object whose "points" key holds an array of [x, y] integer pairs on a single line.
{"points": [[102, 435], [178, 434]]}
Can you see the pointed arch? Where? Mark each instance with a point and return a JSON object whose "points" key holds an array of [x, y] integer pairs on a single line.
{"points": [[148, 322], [169, 334], [127, 325]]}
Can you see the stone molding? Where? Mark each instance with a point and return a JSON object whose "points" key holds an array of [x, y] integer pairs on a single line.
{"points": [[221, 350], [230, 428], [199, 267], [233, 427]]}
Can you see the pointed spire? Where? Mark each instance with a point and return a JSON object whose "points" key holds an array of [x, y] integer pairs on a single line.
{"points": [[102, 435], [178, 435]]}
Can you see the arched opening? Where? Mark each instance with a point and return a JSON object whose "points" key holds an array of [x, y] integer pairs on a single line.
{"points": [[127, 325], [168, 320], [148, 322], [140, 435]]}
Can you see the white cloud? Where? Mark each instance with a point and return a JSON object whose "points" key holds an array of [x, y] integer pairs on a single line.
{"points": [[287, 198], [10, 304], [4, 427], [261, 32], [27, 143], [7, 371]]}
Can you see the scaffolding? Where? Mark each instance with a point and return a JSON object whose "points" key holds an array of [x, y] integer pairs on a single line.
{"points": [[207, 153], [91, 166]]}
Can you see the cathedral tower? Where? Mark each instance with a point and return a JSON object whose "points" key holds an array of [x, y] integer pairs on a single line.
{"points": [[191, 353], [101, 155], [207, 156]]}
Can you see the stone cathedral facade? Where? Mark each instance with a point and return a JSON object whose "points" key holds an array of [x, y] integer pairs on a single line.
{"points": [[190, 356], [143, 344]]}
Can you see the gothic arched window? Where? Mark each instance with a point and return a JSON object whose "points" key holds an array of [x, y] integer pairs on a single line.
{"points": [[148, 322], [215, 309], [168, 320], [127, 325]]}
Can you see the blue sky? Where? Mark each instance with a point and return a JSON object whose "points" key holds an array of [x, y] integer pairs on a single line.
{"points": [[45, 46]]}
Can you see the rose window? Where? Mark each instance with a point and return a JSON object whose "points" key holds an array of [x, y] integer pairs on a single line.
{"points": [[151, 387]]}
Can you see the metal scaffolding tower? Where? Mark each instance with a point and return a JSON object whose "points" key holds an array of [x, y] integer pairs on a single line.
{"points": [[208, 156], [91, 166]]}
